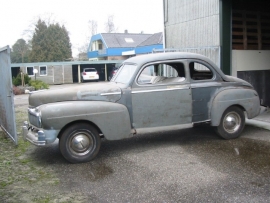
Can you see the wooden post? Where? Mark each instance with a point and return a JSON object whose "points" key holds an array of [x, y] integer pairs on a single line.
{"points": [[259, 30], [245, 31], [106, 72], [79, 73]]}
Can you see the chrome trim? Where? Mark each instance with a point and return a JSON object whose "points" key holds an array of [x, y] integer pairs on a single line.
{"points": [[158, 90], [34, 117], [193, 86], [35, 137], [204, 121], [113, 93]]}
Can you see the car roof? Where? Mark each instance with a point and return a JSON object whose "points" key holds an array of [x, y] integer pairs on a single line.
{"points": [[148, 58]]}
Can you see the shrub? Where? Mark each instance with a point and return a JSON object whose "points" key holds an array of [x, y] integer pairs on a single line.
{"points": [[38, 84], [18, 80], [17, 90]]}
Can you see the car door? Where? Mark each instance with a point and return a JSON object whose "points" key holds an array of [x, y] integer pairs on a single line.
{"points": [[161, 95], [205, 82]]}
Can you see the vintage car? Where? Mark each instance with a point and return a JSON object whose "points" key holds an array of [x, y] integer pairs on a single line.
{"points": [[149, 93]]}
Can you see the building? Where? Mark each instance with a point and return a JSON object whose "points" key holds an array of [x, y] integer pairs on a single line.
{"points": [[120, 46], [235, 34], [63, 72]]}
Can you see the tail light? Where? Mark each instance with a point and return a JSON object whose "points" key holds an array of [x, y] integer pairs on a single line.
{"points": [[97, 73], [84, 73]]}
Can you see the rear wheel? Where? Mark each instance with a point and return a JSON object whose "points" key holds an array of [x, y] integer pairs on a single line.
{"points": [[232, 123], [79, 143]]}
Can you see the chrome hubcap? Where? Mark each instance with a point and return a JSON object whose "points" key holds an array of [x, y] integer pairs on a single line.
{"points": [[231, 122], [81, 143]]}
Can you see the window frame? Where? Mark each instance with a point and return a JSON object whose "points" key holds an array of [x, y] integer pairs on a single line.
{"points": [[32, 70], [162, 63], [40, 70], [214, 75]]}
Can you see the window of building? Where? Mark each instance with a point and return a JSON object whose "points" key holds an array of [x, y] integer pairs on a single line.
{"points": [[129, 40], [100, 47], [30, 71], [42, 70]]}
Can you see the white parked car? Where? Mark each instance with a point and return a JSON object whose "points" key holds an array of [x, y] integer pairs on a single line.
{"points": [[89, 74]]}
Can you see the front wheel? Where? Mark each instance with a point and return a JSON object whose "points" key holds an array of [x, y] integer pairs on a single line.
{"points": [[79, 143], [232, 123]]}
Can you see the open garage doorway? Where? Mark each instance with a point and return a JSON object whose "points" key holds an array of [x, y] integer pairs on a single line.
{"points": [[251, 44]]}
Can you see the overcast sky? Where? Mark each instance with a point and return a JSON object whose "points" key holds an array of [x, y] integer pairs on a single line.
{"points": [[17, 16]]}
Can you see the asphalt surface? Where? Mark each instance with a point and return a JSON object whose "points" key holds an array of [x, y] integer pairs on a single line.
{"points": [[189, 165]]}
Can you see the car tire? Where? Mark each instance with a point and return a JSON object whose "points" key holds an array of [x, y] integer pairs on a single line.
{"points": [[79, 143], [232, 123], [82, 80]]}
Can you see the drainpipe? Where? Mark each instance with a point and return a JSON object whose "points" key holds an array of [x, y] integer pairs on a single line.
{"points": [[165, 12]]}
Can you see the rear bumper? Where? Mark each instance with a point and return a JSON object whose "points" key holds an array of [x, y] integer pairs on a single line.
{"points": [[38, 137], [86, 77]]}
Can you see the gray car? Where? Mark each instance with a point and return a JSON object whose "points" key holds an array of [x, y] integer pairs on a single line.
{"points": [[149, 93]]}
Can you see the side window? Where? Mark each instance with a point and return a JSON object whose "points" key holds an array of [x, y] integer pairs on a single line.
{"points": [[199, 71], [30, 71], [162, 73], [42, 70]]}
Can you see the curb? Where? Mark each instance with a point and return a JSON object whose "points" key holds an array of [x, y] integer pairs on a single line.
{"points": [[260, 124]]}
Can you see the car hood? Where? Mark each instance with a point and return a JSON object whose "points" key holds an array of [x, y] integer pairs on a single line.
{"points": [[82, 92]]}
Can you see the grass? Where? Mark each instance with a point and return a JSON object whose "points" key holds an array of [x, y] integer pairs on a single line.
{"points": [[20, 174]]}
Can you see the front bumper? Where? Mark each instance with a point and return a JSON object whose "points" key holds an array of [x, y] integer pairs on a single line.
{"points": [[35, 136], [38, 136]]}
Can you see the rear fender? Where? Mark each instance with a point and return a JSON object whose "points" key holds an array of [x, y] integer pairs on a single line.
{"points": [[248, 99]]}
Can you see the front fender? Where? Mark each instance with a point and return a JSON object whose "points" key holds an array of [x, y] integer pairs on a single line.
{"points": [[248, 99], [112, 118]]}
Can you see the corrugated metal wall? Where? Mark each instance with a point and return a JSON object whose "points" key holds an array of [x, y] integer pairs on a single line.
{"points": [[7, 112], [193, 25]]}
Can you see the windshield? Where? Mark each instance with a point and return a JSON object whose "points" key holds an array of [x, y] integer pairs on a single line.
{"points": [[125, 73]]}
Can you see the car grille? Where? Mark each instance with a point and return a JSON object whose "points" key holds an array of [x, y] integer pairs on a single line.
{"points": [[34, 119]]}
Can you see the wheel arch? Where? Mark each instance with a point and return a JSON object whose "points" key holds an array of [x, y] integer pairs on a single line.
{"points": [[77, 122]]}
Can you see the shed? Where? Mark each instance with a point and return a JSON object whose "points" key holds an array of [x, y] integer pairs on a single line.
{"points": [[63, 72]]}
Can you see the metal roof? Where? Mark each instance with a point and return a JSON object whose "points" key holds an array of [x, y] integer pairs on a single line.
{"points": [[116, 40], [65, 63], [156, 38]]}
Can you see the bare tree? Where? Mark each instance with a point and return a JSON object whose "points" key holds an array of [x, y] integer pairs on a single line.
{"points": [[109, 25], [48, 18], [83, 48], [92, 24]]}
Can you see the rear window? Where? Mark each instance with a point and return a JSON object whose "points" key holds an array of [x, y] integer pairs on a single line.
{"points": [[90, 70]]}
